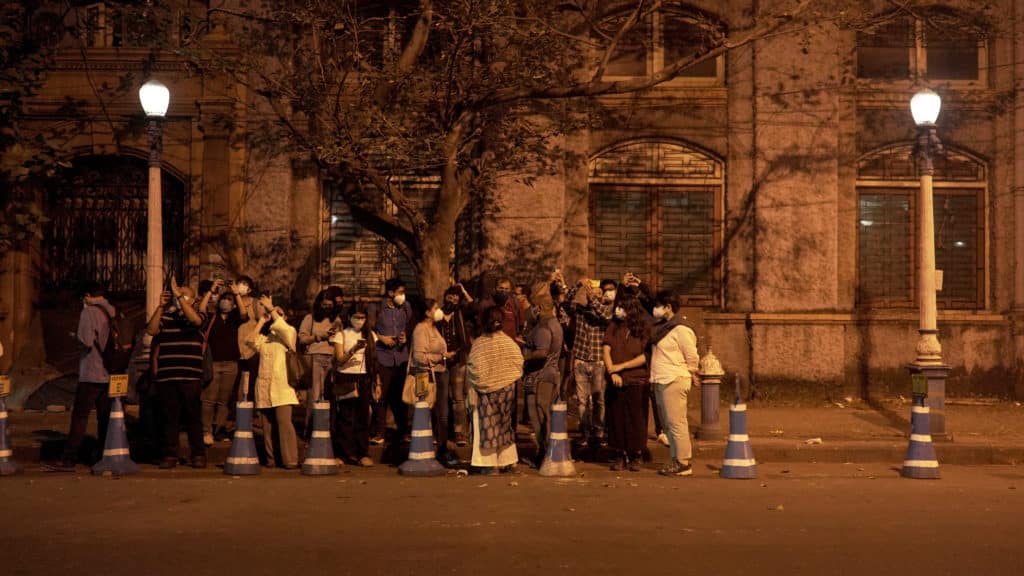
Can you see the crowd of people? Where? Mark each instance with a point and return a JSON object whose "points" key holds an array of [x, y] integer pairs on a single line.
{"points": [[611, 347]]}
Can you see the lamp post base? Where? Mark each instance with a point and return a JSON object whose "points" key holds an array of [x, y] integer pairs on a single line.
{"points": [[935, 374]]}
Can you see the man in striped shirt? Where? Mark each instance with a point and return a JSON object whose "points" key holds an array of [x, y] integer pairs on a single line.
{"points": [[178, 345]]}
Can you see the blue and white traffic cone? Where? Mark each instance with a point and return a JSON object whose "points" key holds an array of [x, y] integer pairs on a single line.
{"points": [[739, 460], [558, 460], [116, 459], [320, 458], [920, 461], [242, 458], [7, 465], [422, 460]]}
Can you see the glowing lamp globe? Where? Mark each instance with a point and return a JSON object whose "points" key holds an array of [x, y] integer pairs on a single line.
{"points": [[925, 107], [154, 97]]}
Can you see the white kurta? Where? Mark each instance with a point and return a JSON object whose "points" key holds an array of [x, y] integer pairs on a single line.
{"points": [[272, 387]]}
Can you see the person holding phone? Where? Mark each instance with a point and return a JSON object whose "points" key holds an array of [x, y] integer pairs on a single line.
{"points": [[272, 341], [178, 342], [352, 389]]}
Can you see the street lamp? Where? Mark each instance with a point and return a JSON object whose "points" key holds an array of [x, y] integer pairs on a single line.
{"points": [[928, 371], [155, 98]]}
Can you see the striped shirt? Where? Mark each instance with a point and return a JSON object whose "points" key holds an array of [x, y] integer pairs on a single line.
{"points": [[180, 356]]}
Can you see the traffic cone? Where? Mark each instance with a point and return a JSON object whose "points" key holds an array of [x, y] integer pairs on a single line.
{"points": [[422, 460], [242, 459], [558, 460], [320, 457], [7, 465], [739, 460], [920, 461], [116, 458]]}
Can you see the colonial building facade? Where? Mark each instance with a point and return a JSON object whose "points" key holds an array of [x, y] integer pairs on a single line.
{"points": [[774, 187]]}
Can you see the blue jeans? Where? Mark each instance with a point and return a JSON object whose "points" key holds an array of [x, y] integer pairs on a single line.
{"points": [[590, 397]]}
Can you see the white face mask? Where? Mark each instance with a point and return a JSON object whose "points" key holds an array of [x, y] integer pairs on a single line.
{"points": [[399, 299], [357, 325], [620, 313], [438, 315], [609, 296], [659, 311], [243, 289]]}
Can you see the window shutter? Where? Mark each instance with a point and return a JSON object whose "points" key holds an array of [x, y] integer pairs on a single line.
{"points": [[620, 231]]}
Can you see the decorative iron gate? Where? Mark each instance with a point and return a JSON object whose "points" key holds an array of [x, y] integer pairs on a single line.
{"points": [[97, 228]]}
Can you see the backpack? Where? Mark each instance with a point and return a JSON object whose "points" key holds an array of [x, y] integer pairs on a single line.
{"points": [[116, 356]]}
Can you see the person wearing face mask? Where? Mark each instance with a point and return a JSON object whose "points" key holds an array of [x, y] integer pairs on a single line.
{"points": [[178, 341], [541, 376], [339, 313], [222, 342], [314, 332], [673, 360], [456, 331], [430, 355], [394, 319], [623, 354], [512, 313], [246, 289], [91, 391], [352, 388], [272, 340], [593, 313]]}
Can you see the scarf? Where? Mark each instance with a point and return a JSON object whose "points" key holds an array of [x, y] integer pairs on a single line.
{"points": [[662, 329]]}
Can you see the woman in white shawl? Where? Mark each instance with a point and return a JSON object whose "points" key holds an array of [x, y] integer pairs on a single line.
{"points": [[272, 339], [495, 363]]}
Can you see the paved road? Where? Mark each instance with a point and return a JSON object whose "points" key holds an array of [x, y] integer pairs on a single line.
{"points": [[795, 519]]}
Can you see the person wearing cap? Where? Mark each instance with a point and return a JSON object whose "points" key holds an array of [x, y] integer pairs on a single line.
{"points": [[272, 340]]}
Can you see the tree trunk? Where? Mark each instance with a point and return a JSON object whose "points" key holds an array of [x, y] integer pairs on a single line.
{"points": [[435, 261]]}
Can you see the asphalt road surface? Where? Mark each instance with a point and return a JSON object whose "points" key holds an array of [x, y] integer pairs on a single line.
{"points": [[794, 519]]}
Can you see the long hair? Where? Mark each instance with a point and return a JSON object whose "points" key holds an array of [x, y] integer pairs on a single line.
{"points": [[367, 333], [319, 315], [635, 321]]}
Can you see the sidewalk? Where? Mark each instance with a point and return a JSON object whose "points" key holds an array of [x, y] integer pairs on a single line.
{"points": [[983, 433]]}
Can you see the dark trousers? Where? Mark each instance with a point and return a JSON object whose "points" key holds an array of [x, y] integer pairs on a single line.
{"points": [[651, 406], [180, 402], [627, 412], [352, 421], [392, 380], [441, 412], [540, 389], [88, 395]]}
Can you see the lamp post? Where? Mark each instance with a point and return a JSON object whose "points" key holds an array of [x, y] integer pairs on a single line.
{"points": [[155, 98], [928, 372]]}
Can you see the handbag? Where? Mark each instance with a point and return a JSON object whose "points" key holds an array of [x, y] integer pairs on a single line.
{"points": [[419, 387], [296, 370], [342, 386]]}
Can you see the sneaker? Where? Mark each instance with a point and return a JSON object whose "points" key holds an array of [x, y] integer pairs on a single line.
{"points": [[208, 439], [634, 465], [365, 462], [199, 462], [377, 440], [676, 468], [663, 439], [619, 465], [450, 461], [168, 463]]}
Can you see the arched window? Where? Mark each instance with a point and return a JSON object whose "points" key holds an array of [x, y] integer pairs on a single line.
{"points": [[655, 211], [660, 38], [936, 43], [97, 229], [887, 187]]}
